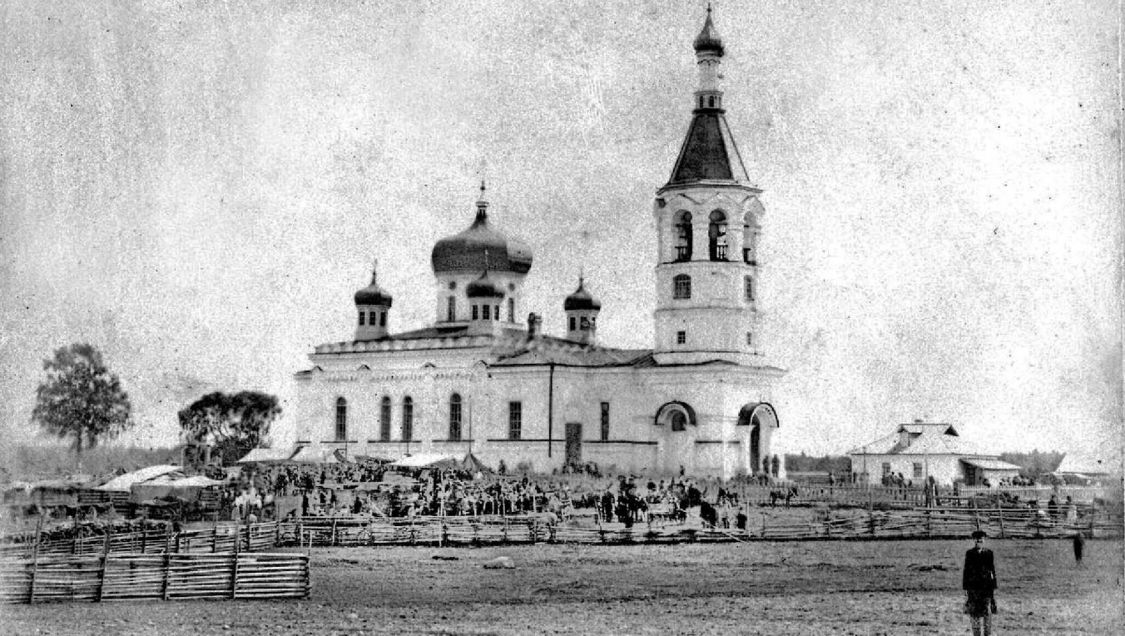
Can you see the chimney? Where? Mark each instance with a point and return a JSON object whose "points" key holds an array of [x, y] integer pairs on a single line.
{"points": [[533, 321]]}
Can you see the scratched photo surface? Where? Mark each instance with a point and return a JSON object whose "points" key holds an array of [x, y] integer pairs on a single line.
{"points": [[198, 189]]}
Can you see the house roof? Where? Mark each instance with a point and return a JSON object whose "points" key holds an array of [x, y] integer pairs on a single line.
{"points": [[921, 439], [990, 464], [122, 483], [1087, 464]]}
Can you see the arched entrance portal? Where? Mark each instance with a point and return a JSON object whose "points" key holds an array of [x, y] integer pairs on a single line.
{"points": [[761, 420], [677, 424]]}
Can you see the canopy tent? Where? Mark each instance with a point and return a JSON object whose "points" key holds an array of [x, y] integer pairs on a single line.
{"points": [[371, 459], [427, 460], [123, 483], [266, 455], [312, 455], [186, 488], [474, 465]]}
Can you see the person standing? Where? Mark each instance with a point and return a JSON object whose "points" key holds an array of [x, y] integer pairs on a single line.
{"points": [[1079, 547], [979, 583]]}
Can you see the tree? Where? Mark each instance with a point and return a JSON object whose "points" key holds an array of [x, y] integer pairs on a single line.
{"points": [[231, 423], [81, 399]]}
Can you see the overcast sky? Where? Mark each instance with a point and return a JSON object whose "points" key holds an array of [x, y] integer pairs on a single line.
{"points": [[199, 188]]}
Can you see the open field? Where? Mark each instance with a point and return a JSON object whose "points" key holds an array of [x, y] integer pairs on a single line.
{"points": [[821, 587]]}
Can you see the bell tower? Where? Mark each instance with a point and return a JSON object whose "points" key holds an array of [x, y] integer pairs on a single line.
{"points": [[708, 220]]}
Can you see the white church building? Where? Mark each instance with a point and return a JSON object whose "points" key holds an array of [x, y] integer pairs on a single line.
{"points": [[480, 381]]}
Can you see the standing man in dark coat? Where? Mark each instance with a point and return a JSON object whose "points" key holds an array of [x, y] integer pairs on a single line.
{"points": [[979, 581]]}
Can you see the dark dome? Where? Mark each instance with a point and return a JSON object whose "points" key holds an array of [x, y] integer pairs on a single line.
{"points": [[480, 248], [708, 39], [484, 287], [581, 299], [373, 294]]}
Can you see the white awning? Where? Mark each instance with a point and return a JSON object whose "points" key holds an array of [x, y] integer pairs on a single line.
{"points": [[425, 460]]}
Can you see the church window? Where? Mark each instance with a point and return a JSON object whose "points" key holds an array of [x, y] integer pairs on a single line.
{"points": [[455, 418], [749, 338], [571, 323], [584, 323], [451, 309], [681, 286], [475, 310], [683, 236], [515, 420], [749, 285], [341, 419], [361, 315], [711, 101], [717, 236], [486, 310], [382, 319], [749, 240], [701, 101], [407, 418], [385, 419], [605, 421], [681, 337], [679, 420], [511, 310]]}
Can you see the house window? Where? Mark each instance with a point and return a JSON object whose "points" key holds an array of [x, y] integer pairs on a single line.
{"points": [[341, 419], [749, 285], [717, 236], [605, 421], [474, 312], [571, 323], [917, 470], [385, 419], [681, 286], [515, 420], [681, 337], [451, 309], [407, 419], [886, 468], [361, 315], [486, 310], [511, 310], [455, 418]]}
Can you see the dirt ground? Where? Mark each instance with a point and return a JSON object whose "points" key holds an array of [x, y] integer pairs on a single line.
{"points": [[828, 587]]}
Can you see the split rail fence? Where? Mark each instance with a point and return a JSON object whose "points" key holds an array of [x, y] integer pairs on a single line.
{"points": [[228, 537], [935, 523]]}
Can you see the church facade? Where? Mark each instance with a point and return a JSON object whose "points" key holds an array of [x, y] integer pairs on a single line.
{"points": [[480, 381]]}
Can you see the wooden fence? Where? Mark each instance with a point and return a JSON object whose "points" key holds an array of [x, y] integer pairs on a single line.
{"points": [[112, 577], [854, 524], [220, 537]]}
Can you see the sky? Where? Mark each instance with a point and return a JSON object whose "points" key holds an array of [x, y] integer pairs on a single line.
{"points": [[198, 189]]}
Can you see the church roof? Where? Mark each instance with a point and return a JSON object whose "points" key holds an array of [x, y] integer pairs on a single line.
{"points": [[581, 299], [708, 39], [481, 247], [709, 152]]}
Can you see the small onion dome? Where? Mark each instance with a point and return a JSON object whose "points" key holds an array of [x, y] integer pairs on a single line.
{"points": [[466, 252], [708, 39], [581, 299], [373, 294], [484, 287]]}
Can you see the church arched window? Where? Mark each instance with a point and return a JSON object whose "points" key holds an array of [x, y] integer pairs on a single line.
{"points": [[385, 419], [749, 240], [683, 236], [341, 419], [407, 418], [455, 418], [451, 309], [717, 236], [511, 309], [681, 286]]}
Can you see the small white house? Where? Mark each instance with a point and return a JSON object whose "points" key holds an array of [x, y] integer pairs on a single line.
{"points": [[920, 450]]}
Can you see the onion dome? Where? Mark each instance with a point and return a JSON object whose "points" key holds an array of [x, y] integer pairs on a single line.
{"points": [[484, 287], [708, 39], [581, 299], [466, 252], [373, 294]]}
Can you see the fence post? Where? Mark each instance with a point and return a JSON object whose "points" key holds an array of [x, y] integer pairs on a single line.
{"points": [[871, 521], [1001, 514], [333, 531], [215, 535], [234, 561], [167, 563], [929, 529], [763, 525], [35, 558], [276, 532], [105, 561]]}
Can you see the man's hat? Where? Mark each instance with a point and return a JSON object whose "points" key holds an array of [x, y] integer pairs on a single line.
{"points": [[979, 534]]}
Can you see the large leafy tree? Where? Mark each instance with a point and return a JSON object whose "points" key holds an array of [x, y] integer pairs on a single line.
{"points": [[232, 424], [80, 399]]}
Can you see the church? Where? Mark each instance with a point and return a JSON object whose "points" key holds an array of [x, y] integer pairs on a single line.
{"points": [[480, 381]]}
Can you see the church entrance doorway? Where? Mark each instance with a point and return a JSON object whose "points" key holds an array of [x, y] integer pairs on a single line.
{"points": [[573, 444]]}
